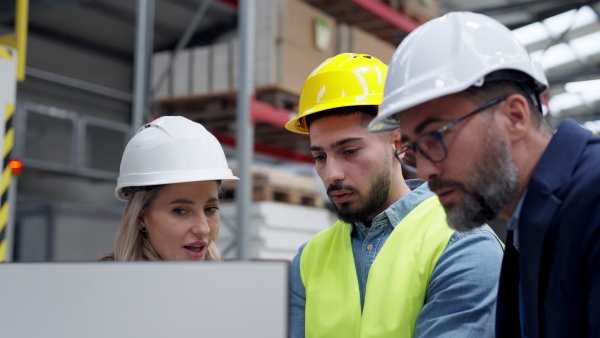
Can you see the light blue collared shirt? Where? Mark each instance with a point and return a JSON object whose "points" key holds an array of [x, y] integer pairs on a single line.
{"points": [[461, 296], [513, 224]]}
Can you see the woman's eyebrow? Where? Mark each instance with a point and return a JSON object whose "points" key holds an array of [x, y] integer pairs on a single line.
{"points": [[183, 201]]}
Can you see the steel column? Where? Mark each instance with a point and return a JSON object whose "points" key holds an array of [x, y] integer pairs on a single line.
{"points": [[144, 37], [244, 126]]}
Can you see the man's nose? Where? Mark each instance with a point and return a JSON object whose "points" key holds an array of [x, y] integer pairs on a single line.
{"points": [[334, 171], [426, 169]]}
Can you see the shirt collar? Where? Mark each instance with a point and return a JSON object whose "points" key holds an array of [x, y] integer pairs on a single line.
{"points": [[402, 207], [513, 224]]}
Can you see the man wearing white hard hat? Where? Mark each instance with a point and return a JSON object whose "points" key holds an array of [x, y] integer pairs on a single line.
{"points": [[466, 96], [170, 176]]}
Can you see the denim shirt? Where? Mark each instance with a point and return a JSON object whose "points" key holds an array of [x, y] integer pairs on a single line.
{"points": [[461, 296]]}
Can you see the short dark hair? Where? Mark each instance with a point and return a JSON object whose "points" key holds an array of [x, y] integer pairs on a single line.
{"points": [[368, 113], [492, 89]]}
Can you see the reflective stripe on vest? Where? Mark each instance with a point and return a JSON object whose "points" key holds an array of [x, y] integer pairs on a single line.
{"points": [[397, 281]]}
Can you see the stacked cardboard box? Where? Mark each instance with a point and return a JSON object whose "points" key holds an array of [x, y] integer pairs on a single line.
{"points": [[160, 62], [421, 10], [200, 73], [292, 39], [351, 39]]}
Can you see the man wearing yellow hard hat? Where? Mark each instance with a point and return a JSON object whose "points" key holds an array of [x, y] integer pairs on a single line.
{"points": [[390, 266]]}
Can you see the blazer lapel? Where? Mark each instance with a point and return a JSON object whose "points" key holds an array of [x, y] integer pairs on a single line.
{"points": [[538, 213]]}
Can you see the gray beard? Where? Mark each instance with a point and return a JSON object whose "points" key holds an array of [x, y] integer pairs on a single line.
{"points": [[492, 187]]}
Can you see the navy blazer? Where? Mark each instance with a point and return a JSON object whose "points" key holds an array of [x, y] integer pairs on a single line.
{"points": [[559, 244]]}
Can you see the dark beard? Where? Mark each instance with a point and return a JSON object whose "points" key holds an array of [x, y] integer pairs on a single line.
{"points": [[493, 186], [375, 198]]}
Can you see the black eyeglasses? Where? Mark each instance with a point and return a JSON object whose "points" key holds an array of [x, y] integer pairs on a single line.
{"points": [[431, 145]]}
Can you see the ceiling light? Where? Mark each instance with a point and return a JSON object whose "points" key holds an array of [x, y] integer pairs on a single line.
{"points": [[583, 86], [586, 45], [531, 34], [564, 101], [558, 55], [560, 23]]}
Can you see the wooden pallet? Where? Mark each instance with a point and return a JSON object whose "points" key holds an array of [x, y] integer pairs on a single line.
{"points": [[287, 195], [276, 186]]}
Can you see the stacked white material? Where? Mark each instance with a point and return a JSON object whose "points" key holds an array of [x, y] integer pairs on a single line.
{"points": [[200, 73], [278, 229], [220, 68], [181, 81], [160, 62]]}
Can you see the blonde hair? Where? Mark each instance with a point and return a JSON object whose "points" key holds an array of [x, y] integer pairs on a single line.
{"points": [[131, 244]]}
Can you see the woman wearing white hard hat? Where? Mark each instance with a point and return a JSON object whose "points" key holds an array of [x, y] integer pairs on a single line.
{"points": [[170, 176]]}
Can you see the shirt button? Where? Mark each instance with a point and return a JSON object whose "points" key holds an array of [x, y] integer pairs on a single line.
{"points": [[370, 247]]}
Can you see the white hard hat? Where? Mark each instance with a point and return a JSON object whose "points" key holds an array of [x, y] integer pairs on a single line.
{"points": [[171, 149], [448, 55]]}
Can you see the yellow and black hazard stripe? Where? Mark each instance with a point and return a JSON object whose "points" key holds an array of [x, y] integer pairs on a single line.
{"points": [[9, 135]]}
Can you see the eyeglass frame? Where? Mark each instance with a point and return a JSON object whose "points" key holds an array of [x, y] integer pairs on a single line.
{"points": [[438, 134]]}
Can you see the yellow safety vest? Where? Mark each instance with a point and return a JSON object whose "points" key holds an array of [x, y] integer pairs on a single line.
{"points": [[397, 282]]}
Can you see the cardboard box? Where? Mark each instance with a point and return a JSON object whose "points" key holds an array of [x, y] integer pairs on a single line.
{"points": [[421, 10], [296, 65], [293, 38], [304, 26], [234, 62], [181, 80], [365, 43], [200, 72], [220, 68], [343, 39], [160, 62], [351, 39]]}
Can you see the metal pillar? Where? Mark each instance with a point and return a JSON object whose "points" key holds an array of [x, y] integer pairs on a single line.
{"points": [[144, 37], [245, 126]]}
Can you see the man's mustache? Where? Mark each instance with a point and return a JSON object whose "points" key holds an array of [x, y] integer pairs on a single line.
{"points": [[443, 184], [339, 186]]}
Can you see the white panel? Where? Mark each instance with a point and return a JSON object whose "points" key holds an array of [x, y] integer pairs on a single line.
{"points": [[181, 74], [144, 299], [160, 62], [8, 76], [220, 78], [200, 70], [234, 62]]}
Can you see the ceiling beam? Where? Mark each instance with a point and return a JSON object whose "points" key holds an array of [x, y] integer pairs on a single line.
{"points": [[7, 7], [581, 75], [79, 43], [388, 14]]}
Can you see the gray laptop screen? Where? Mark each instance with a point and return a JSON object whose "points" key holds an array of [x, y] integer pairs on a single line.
{"points": [[144, 299]]}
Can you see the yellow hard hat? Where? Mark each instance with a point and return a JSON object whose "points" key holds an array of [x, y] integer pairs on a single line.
{"points": [[341, 81]]}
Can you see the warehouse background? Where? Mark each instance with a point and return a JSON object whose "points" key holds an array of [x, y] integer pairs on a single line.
{"points": [[74, 109]]}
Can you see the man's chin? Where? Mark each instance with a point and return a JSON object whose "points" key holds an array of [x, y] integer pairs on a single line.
{"points": [[460, 223]]}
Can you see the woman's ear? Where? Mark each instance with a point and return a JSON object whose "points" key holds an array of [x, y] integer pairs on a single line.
{"points": [[142, 221]]}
